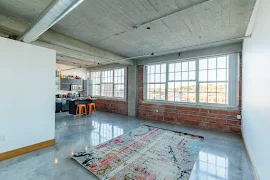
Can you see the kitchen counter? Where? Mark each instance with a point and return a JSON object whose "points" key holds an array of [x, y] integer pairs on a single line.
{"points": [[73, 104]]}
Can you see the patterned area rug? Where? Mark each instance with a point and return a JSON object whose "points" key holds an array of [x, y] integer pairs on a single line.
{"points": [[143, 153]]}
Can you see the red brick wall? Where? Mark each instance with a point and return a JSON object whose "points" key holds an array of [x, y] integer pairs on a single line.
{"points": [[113, 106], [221, 120]]}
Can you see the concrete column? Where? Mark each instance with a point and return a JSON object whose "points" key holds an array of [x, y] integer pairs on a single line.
{"points": [[132, 90]]}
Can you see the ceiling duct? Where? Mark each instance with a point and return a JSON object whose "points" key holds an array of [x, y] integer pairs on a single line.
{"points": [[56, 10]]}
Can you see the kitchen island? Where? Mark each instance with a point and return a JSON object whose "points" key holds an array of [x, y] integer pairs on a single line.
{"points": [[73, 105]]}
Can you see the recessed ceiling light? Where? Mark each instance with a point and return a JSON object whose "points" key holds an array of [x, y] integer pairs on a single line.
{"points": [[148, 28]]}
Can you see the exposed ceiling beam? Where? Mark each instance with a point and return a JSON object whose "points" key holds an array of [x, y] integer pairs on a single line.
{"points": [[63, 44]]}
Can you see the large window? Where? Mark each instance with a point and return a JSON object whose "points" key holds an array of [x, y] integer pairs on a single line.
{"points": [[95, 76], [119, 83], [182, 82], [156, 78], [109, 83], [213, 80], [210, 80]]}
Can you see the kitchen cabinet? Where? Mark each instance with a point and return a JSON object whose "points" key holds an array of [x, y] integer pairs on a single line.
{"points": [[65, 83]]}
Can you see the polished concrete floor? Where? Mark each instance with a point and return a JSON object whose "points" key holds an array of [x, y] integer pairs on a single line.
{"points": [[222, 155]]}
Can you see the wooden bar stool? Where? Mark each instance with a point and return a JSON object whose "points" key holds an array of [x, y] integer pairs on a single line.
{"points": [[90, 107], [81, 110]]}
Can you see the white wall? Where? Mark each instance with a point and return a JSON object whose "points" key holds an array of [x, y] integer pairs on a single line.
{"points": [[256, 91], [27, 94]]}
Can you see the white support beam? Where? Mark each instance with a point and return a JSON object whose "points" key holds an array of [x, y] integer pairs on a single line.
{"points": [[64, 44]]}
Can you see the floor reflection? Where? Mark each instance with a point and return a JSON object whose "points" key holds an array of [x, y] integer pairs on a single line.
{"points": [[211, 167], [104, 132], [222, 156]]}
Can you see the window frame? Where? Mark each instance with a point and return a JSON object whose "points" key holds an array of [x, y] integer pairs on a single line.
{"points": [[214, 81], [156, 82], [233, 82], [188, 80], [113, 84]]}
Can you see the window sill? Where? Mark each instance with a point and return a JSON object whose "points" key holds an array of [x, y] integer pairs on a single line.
{"points": [[202, 106], [112, 99]]}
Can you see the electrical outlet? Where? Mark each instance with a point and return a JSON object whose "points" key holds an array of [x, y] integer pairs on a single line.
{"points": [[238, 117], [2, 138], [156, 110]]}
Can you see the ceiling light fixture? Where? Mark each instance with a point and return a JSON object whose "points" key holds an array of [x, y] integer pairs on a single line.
{"points": [[56, 10]]}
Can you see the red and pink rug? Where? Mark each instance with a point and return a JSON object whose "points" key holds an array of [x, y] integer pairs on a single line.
{"points": [[143, 153]]}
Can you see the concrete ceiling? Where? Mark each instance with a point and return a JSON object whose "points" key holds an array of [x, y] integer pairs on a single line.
{"points": [[120, 26]]}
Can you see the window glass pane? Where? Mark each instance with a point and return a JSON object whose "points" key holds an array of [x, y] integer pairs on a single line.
{"points": [[221, 98], [184, 97], [192, 97], [177, 91], [157, 69], [212, 63], [192, 87], [163, 68], [202, 64], [185, 66], [152, 78], [171, 67], [148, 69], [163, 77], [152, 69], [221, 62], [107, 90], [203, 75], [178, 67], [157, 91], [192, 65], [178, 76], [192, 75], [96, 90], [151, 87], [221, 75], [212, 87], [162, 92], [212, 97], [203, 87], [222, 87], [184, 87], [212, 75], [171, 91], [150, 91], [184, 76], [171, 76], [203, 97], [157, 77]]}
